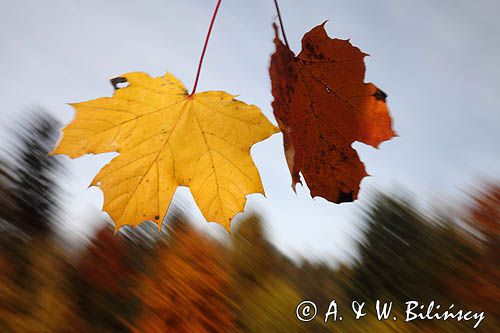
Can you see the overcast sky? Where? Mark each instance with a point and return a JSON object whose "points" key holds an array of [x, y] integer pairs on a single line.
{"points": [[437, 60]]}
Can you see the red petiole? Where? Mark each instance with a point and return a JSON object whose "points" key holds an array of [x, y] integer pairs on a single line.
{"points": [[205, 47], [281, 24], [210, 31]]}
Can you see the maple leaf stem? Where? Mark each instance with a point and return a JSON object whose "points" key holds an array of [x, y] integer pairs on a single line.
{"points": [[281, 23], [205, 47]]}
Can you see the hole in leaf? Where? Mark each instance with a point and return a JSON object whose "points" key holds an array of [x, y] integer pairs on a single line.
{"points": [[119, 82]]}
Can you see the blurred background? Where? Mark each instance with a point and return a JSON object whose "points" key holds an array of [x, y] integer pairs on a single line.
{"points": [[426, 226]]}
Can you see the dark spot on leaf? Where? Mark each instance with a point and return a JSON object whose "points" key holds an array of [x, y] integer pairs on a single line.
{"points": [[380, 95], [157, 217], [345, 197], [309, 47]]}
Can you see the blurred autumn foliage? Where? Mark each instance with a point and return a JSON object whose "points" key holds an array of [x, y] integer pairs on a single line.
{"points": [[182, 280]]}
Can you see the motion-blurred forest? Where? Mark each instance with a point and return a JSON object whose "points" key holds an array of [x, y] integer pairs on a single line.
{"points": [[181, 280]]}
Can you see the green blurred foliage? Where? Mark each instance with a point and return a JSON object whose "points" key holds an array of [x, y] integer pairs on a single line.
{"points": [[181, 280]]}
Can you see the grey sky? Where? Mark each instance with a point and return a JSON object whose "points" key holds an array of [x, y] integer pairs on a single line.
{"points": [[437, 60]]}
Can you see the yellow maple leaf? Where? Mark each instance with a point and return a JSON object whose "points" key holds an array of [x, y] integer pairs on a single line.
{"points": [[167, 138]]}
